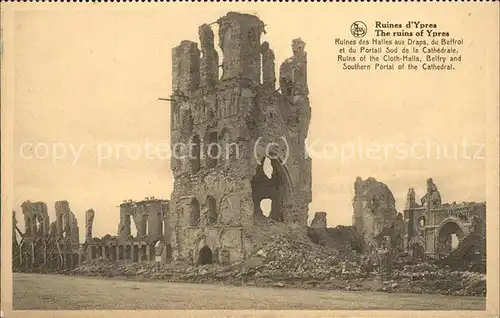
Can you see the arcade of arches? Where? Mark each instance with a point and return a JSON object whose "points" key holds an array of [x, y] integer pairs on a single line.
{"points": [[134, 252]]}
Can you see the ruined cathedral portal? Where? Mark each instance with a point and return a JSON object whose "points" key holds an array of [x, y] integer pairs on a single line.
{"points": [[234, 115]]}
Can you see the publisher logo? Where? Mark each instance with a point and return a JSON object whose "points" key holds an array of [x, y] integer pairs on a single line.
{"points": [[358, 29]]}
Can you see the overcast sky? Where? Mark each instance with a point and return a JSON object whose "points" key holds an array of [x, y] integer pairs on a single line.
{"points": [[93, 78]]}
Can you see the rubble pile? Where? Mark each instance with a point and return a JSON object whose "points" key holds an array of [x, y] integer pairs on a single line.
{"points": [[341, 238], [284, 255], [469, 255], [287, 257], [428, 275]]}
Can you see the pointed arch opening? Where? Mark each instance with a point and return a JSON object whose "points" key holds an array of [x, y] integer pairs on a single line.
{"points": [[212, 210], [205, 256], [195, 154], [212, 149], [194, 215], [270, 190], [168, 253], [450, 234]]}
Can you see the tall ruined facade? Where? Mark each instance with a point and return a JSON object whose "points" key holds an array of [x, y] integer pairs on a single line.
{"points": [[67, 224], [431, 224], [222, 129], [375, 216], [45, 245]]}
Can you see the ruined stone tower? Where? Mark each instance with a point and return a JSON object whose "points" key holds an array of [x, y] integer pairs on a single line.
{"points": [[222, 129]]}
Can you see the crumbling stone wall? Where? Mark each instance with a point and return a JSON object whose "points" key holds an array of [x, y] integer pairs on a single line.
{"points": [[147, 215], [218, 189], [36, 219], [432, 199], [89, 222], [411, 202], [374, 210], [66, 223], [45, 245], [391, 238], [341, 238], [150, 217]]}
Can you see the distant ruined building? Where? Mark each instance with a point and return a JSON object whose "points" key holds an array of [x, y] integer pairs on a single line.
{"points": [[45, 245], [149, 217], [424, 229], [228, 121], [375, 217], [430, 224]]}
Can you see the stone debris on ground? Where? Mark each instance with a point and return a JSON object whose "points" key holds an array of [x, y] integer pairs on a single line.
{"points": [[289, 258]]}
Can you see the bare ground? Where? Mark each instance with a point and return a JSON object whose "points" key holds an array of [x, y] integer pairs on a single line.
{"points": [[40, 291]]}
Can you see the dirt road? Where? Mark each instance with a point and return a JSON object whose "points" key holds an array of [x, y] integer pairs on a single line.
{"points": [[34, 291]]}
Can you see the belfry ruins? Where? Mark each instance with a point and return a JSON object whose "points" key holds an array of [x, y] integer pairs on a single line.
{"points": [[229, 122], [238, 129]]}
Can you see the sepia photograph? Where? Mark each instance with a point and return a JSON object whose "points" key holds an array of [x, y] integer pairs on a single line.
{"points": [[334, 158]]}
